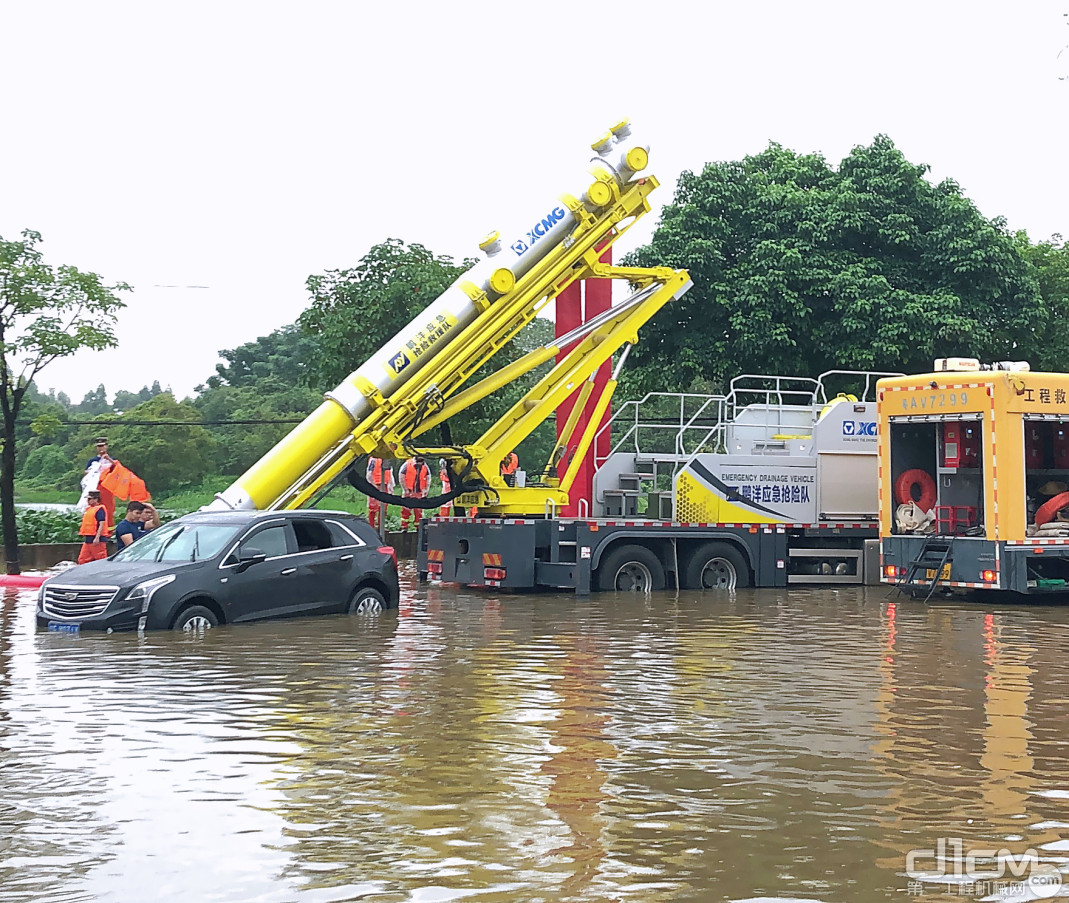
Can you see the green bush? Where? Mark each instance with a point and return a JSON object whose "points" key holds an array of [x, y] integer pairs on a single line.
{"points": [[44, 525], [49, 466]]}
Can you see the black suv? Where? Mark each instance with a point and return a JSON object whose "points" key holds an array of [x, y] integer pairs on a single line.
{"points": [[216, 568]]}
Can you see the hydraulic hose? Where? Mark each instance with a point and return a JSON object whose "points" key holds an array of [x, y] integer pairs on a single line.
{"points": [[356, 478]]}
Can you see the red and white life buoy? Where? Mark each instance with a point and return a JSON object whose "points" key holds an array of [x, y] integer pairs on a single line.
{"points": [[925, 486], [1051, 507]]}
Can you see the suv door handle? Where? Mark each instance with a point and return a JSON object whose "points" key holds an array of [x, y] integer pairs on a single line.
{"points": [[346, 558], [286, 571]]}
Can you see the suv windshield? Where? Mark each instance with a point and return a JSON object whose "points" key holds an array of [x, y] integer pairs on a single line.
{"points": [[179, 542]]}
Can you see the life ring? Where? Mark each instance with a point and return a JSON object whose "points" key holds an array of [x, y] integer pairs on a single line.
{"points": [[1051, 507], [921, 479]]}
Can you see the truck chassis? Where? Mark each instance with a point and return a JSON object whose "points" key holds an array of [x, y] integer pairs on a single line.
{"points": [[587, 555]]}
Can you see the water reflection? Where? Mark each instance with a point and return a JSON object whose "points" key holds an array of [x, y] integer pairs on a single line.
{"points": [[766, 744]]}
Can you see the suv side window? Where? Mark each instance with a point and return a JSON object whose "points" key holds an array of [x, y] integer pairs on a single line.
{"points": [[345, 537], [312, 535], [272, 541]]}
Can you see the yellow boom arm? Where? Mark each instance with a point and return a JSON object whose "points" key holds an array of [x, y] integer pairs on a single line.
{"points": [[416, 380]]}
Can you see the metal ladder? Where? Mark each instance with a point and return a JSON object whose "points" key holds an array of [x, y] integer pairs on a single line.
{"points": [[936, 553]]}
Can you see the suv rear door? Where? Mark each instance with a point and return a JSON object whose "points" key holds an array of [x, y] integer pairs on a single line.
{"points": [[327, 556]]}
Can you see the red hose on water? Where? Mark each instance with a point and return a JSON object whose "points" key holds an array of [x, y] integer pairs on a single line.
{"points": [[23, 581]]}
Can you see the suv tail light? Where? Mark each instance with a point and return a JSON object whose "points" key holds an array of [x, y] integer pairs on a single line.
{"points": [[391, 551]]}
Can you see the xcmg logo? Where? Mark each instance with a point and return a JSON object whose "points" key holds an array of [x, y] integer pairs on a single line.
{"points": [[540, 230], [859, 427]]}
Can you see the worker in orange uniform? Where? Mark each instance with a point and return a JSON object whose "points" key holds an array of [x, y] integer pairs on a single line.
{"points": [[443, 475], [509, 465], [94, 530], [415, 482], [380, 475]]}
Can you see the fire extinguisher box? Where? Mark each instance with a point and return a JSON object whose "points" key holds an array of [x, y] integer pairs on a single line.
{"points": [[952, 445]]}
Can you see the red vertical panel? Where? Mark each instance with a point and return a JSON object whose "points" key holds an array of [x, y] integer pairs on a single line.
{"points": [[571, 313], [597, 299]]}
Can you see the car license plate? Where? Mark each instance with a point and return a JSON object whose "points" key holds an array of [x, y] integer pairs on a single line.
{"points": [[929, 574], [57, 627]]}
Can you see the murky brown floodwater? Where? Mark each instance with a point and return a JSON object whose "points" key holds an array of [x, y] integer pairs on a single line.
{"points": [[767, 745]]}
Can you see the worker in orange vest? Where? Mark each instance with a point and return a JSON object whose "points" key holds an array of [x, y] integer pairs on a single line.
{"points": [[380, 475], [415, 482], [509, 465], [94, 530], [443, 475]]}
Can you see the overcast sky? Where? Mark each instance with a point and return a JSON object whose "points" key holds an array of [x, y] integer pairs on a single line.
{"points": [[213, 155]]}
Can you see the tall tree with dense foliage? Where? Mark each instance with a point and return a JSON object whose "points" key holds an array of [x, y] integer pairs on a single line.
{"points": [[275, 403], [46, 313], [1050, 262], [354, 311], [284, 355], [800, 268], [175, 453]]}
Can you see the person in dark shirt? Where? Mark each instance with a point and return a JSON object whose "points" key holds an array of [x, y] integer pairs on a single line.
{"points": [[150, 517], [130, 527]]}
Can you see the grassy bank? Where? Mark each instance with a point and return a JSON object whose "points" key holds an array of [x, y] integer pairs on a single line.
{"points": [[30, 496]]}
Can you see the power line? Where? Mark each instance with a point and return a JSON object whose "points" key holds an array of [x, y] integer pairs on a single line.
{"points": [[122, 422]]}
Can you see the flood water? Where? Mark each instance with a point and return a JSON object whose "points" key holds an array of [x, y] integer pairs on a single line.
{"points": [[763, 745]]}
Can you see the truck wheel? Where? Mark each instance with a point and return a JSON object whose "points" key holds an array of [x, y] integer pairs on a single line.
{"points": [[717, 565], [631, 569]]}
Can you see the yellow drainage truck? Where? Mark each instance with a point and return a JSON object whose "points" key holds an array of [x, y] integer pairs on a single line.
{"points": [[973, 464]]}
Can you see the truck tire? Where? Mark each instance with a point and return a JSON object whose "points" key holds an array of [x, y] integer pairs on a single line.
{"points": [[630, 569], [717, 565]]}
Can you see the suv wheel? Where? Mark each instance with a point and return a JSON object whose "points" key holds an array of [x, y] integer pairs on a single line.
{"points": [[196, 619], [367, 600]]}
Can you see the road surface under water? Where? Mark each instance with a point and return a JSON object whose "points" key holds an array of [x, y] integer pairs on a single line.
{"points": [[761, 745]]}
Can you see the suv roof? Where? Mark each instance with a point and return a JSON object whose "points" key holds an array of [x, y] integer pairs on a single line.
{"points": [[250, 517]]}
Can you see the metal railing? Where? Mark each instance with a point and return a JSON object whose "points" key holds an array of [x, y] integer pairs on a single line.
{"points": [[681, 425], [647, 427]]}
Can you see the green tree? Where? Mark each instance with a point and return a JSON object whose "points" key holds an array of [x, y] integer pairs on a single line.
{"points": [[125, 400], [46, 313], [48, 466], [799, 268], [283, 355], [41, 422], [1050, 263], [354, 311], [165, 456], [94, 402], [240, 445]]}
